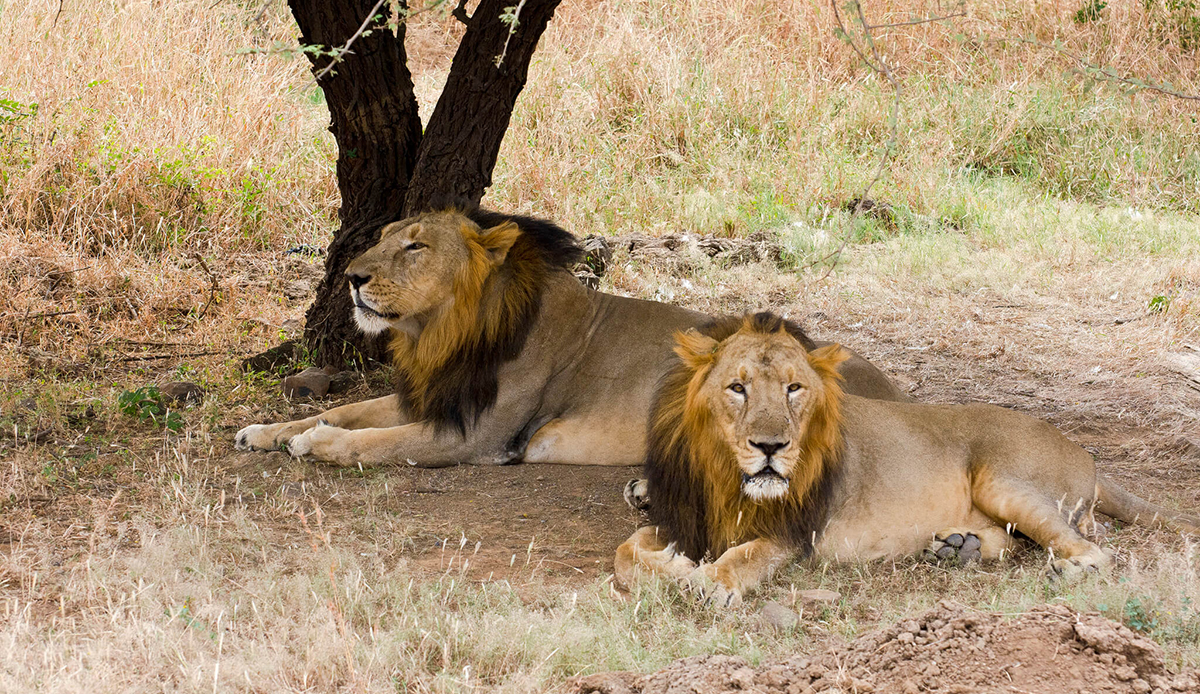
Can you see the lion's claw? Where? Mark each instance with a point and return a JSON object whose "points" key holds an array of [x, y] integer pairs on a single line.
{"points": [[637, 494], [708, 591], [255, 438]]}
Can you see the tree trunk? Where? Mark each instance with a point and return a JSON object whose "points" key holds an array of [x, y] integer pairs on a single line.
{"points": [[464, 133], [373, 117], [385, 167]]}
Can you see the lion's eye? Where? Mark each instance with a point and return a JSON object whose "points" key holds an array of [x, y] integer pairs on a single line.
{"points": [[738, 388], [415, 246], [792, 388]]}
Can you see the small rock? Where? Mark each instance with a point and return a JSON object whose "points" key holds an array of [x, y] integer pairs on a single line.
{"points": [[778, 616], [309, 383], [819, 596], [905, 637], [180, 393], [342, 381]]}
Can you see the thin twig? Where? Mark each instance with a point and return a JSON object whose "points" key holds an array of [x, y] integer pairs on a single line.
{"points": [[333, 61], [155, 357], [876, 62], [879, 65], [213, 288], [927, 20], [148, 343], [50, 314], [1106, 74], [512, 29]]}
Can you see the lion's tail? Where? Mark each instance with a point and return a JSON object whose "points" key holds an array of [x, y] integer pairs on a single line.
{"points": [[1122, 505]]}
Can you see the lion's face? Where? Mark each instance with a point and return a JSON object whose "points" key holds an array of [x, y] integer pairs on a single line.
{"points": [[418, 265], [761, 393]]}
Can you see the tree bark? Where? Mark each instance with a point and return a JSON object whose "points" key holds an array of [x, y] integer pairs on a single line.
{"points": [[386, 168], [373, 117], [464, 133]]}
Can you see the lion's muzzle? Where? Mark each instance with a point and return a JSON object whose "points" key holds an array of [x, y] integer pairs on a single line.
{"points": [[765, 484]]}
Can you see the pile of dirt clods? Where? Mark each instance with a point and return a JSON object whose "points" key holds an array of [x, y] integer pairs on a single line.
{"points": [[1050, 650]]}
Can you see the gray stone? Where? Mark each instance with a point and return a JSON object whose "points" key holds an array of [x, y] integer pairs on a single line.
{"points": [[309, 383], [180, 393], [776, 615]]}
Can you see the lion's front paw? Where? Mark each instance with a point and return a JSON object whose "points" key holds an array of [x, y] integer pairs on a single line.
{"points": [[637, 494], [668, 561], [323, 443], [256, 437], [955, 547], [705, 585]]}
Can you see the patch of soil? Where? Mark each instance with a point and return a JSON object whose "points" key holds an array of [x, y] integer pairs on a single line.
{"points": [[1050, 650], [558, 521]]}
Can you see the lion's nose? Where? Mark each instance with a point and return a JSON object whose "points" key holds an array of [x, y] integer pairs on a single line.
{"points": [[357, 281], [769, 448]]}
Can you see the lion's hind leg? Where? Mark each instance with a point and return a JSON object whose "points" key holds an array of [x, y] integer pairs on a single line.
{"points": [[648, 552], [1052, 523]]}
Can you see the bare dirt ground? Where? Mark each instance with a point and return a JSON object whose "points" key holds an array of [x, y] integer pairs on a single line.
{"points": [[564, 520], [1050, 650]]}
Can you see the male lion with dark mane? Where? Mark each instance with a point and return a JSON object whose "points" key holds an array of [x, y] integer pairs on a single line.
{"points": [[501, 354], [755, 455]]}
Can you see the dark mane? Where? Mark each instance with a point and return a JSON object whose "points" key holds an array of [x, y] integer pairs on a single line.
{"points": [[558, 246], [462, 383], [722, 327], [687, 498]]}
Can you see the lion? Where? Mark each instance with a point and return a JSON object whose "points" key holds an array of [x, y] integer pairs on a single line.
{"points": [[501, 355], [756, 455]]}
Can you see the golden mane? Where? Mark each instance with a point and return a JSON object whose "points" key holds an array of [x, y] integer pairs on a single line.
{"points": [[694, 476], [447, 375]]}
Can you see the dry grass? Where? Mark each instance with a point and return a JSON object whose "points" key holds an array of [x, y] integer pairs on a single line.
{"points": [[1035, 218]]}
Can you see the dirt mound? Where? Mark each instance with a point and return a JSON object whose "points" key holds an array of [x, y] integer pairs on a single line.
{"points": [[1050, 650]]}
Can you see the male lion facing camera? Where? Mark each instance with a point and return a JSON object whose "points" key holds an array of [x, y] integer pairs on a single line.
{"points": [[755, 455]]}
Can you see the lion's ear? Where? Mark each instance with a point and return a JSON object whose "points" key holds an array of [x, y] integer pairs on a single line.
{"points": [[389, 229], [498, 240], [825, 361], [695, 348]]}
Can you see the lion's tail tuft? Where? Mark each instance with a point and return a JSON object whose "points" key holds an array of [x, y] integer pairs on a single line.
{"points": [[1122, 505]]}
